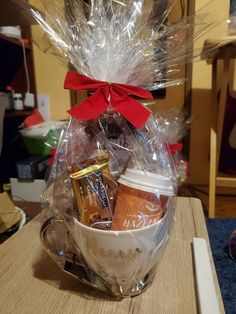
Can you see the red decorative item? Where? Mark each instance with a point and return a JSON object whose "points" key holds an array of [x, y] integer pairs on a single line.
{"points": [[106, 94], [51, 159], [175, 148], [33, 119]]}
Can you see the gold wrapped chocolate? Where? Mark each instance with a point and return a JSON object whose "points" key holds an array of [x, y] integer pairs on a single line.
{"points": [[90, 186]]}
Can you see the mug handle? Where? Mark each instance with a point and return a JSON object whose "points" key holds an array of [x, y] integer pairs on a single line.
{"points": [[72, 254], [71, 260]]}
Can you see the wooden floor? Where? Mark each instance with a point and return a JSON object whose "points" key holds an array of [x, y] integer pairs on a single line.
{"points": [[225, 204]]}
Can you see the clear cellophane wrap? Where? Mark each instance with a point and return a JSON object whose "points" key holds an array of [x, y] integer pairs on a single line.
{"points": [[109, 200], [174, 124]]}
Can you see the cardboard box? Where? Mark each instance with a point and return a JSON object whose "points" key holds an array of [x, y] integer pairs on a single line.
{"points": [[9, 215], [26, 191], [33, 167]]}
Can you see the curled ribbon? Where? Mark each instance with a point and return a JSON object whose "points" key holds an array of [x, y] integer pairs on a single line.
{"points": [[105, 94]]}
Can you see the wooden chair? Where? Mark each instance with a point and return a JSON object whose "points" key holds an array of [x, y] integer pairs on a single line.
{"points": [[214, 50]]}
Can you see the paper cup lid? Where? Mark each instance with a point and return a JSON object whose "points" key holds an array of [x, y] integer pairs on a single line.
{"points": [[146, 181]]}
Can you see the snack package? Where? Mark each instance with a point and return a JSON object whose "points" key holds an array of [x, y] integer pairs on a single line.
{"points": [[110, 197]]}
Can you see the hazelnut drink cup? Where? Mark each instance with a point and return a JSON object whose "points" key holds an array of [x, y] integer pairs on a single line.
{"points": [[142, 199]]}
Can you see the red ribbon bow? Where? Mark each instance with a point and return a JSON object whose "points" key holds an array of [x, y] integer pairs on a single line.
{"points": [[105, 94]]}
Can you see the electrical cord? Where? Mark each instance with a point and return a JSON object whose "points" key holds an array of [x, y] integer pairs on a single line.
{"points": [[25, 66]]}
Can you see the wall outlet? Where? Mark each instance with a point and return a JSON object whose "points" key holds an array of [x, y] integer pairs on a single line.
{"points": [[11, 31], [29, 100], [44, 106]]}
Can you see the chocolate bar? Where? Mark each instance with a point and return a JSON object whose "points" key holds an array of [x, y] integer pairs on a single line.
{"points": [[90, 190]]}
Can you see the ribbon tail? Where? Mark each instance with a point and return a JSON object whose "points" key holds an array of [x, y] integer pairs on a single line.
{"points": [[91, 108], [133, 111]]}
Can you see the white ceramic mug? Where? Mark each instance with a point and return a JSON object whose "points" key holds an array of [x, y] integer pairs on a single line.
{"points": [[121, 257]]}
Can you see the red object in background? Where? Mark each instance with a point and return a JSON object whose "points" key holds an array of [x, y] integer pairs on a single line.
{"points": [[33, 119], [9, 88], [51, 159], [178, 147], [24, 41], [181, 164]]}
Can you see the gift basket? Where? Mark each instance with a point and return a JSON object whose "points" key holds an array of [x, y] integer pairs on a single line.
{"points": [[109, 201]]}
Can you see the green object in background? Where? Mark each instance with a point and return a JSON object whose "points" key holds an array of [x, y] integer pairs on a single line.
{"points": [[43, 146]]}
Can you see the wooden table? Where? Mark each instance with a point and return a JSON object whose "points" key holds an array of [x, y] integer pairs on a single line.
{"points": [[216, 49], [31, 282]]}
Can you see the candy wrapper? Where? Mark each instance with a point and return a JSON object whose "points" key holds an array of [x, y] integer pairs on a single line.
{"points": [[109, 200]]}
